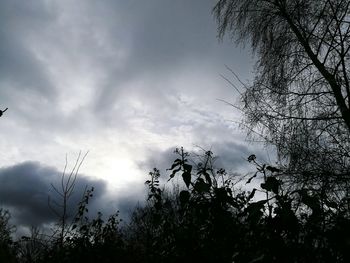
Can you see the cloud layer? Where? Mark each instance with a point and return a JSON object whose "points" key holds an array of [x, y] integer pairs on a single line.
{"points": [[127, 80]]}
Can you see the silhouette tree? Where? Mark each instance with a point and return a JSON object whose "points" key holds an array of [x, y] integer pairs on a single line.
{"points": [[300, 97], [7, 251], [64, 192]]}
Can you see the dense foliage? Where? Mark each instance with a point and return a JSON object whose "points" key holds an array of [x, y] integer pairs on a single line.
{"points": [[208, 218], [299, 99]]}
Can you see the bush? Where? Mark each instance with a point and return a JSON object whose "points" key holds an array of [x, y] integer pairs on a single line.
{"points": [[207, 218], [7, 252]]}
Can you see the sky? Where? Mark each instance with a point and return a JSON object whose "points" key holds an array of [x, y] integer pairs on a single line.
{"points": [[127, 81]]}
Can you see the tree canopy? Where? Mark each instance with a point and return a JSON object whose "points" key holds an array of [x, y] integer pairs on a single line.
{"points": [[300, 97]]}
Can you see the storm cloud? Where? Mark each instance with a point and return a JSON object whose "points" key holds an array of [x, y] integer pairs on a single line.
{"points": [[25, 189]]}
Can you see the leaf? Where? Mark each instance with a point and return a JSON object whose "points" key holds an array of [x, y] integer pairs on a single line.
{"points": [[251, 194], [188, 168], [251, 178], [174, 172], [221, 194], [200, 186], [187, 178], [174, 165], [177, 161], [271, 184], [254, 210], [259, 204], [251, 157], [221, 171]]}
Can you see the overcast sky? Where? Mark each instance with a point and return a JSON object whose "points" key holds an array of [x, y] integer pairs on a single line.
{"points": [[127, 81]]}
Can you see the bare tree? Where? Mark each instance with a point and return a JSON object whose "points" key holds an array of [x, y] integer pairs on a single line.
{"points": [[60, 205], [300, 97]]}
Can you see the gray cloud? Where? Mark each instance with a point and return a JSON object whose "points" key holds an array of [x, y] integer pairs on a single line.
{"points": [[165, 42], [19, 68], [230, 155], [133, 51], [25, 188], [125, 79]]}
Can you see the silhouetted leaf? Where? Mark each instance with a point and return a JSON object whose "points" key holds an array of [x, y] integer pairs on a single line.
{"points": [[257, 205], [188, 168], [221, 171], [251, 194], [177, 161], [251, 178], [251, 157], [201, 187], [174, 172], [187, 178], [271, 184], [221, 194], [174, 165], [254, 210]]}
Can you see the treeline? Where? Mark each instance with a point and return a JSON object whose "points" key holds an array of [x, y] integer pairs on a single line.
{"points": [[208, 218]]}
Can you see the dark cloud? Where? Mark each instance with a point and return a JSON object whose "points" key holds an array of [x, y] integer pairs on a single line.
{"points": [[233, 155], [26, 187], [229, 155], [160, 159]]}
